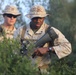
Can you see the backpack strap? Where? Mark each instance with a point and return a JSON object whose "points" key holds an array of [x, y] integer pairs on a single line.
{"points": [[1, 29], [23, 32]]}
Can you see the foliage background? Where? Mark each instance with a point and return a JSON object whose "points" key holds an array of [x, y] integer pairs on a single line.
{"points": [[62, 16]]}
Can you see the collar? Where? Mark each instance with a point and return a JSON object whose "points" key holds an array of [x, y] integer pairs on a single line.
{"points": [[8, 31], [30, 31]]}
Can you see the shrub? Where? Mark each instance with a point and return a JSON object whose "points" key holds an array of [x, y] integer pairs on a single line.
{"points": [[13, 63]]}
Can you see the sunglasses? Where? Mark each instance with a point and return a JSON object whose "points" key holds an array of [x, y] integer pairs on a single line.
{"points": [[10, 15]]}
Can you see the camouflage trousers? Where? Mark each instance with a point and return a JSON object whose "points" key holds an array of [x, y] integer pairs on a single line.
{"points": [[42, 63]]}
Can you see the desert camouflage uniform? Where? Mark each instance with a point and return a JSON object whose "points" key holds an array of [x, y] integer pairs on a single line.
{"points": [[8, 34], [61, 46]]}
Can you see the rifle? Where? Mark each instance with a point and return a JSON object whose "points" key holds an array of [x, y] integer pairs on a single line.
{"points": [[49, 36]]}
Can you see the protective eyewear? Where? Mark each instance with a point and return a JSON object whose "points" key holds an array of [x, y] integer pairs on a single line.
{"points": [[10, 15]]}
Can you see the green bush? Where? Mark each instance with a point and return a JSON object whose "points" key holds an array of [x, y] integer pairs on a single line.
{"points": [[13, 63], [65, 66]]}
